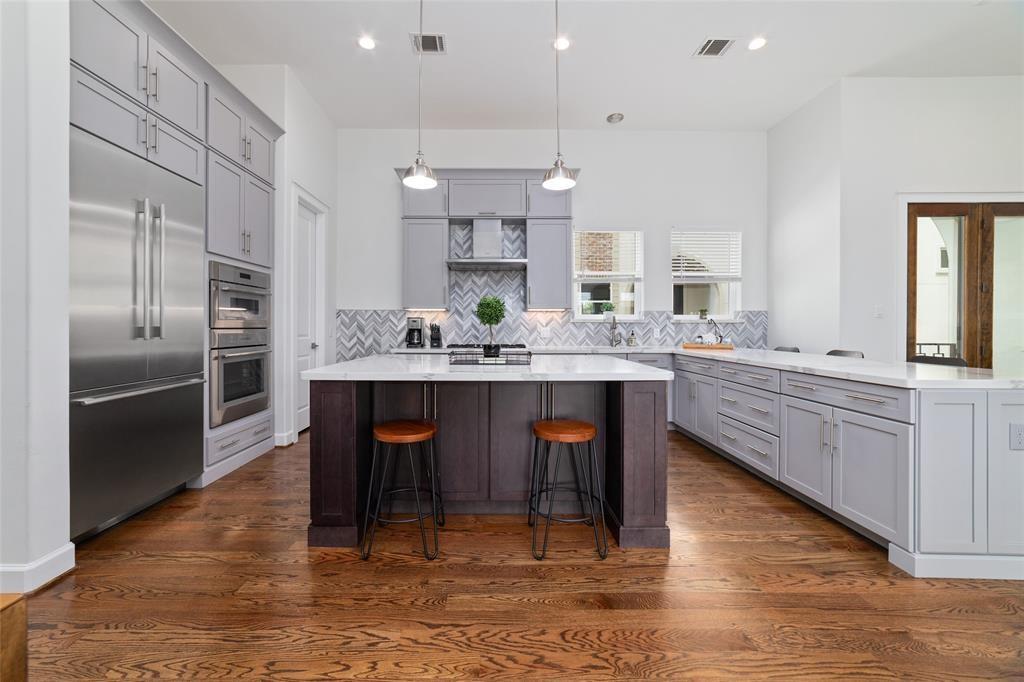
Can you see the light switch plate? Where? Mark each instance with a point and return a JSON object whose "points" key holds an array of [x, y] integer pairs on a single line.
{"points": [[1017, 436]]}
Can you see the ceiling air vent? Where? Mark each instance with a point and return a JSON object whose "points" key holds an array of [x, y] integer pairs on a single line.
{"points": [[429, 43], [714, 47]]}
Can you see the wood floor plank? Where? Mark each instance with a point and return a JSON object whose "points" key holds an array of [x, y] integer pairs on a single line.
{"points": [[219, 584]]}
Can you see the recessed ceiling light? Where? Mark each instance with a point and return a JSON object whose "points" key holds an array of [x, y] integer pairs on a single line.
{"points": [[367, 43], [757, 43], [562, 43], [615, 118]]}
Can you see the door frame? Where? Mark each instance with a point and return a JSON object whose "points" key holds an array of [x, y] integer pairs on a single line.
{"points": [[300, 196]]}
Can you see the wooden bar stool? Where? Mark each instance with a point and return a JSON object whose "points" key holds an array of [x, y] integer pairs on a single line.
{"points": [[588, 489], [392, 435]]}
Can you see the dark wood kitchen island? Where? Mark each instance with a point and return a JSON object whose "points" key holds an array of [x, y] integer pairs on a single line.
{"points": [[484, 416]]}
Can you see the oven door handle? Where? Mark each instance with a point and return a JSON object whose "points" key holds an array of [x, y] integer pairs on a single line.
{"points": [[243, 288], [242, 354]]}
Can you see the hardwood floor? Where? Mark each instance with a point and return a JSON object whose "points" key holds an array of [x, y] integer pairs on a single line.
{"points": [[219, 584]]}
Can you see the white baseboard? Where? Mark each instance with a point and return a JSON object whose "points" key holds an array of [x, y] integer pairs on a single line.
{"points": [[21, 578], [225, 467], [981, 566], [285, 439]]}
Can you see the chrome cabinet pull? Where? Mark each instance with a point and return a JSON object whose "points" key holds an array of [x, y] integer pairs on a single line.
{"points": [[245, 354], [156, 83], [529, 294], [435, 402], [162, 217], [828, 429], [487, 213], [759, 377], [727, 370], [703, 365], [147, 266], [726, 435], [259, 431], [227, 445], [242, 153], [760, 452], [728, 400], [832, 434], [248, 149], [807, 387], [145, 128], [758, 409], [145, 77], [94, 400], [867, 399], [821, 433], [156, 137]]}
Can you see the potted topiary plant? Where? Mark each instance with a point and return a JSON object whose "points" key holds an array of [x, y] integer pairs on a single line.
{"points": [[491, 311]]}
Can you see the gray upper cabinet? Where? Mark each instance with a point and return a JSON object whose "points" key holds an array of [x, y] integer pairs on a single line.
{"points": [[548, 265], [175, 92], [257, 219], [806, 461], [487, 197], [106, 113], [176, 151], [425, 203], [109, 47], [225, 188], [871, 461], [260, 151], [425, 276], [952, 472], [231, 132], [546, 203]]}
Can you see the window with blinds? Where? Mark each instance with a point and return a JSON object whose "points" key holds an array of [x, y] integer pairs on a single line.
{"points": [[707, 271], [607, 273]]}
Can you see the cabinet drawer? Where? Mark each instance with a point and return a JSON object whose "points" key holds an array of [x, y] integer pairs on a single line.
{"points": [[757, 448], [749, 405], [758, 377], [698, 365], [881, 401], [654, 360], [221, 447]]}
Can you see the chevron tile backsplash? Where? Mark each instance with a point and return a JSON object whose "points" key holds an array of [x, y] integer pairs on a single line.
{"points": [[365, 332]]}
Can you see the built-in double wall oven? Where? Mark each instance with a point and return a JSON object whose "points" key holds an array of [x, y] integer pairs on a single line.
{"points": [[240, 353]]}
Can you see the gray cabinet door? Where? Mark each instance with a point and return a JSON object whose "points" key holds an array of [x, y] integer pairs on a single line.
{"points": [[514, 408], [683, 400], [175, 91], [257, 221], [548, 264], [806, 461], [705, 408], [461, 411], [425, 277], [1005, 474], [871, 483], [109, 47], [952, 472], [487, 197], [260, 153], [106, 113], [546, 203], [225, 126], [176, 151], [224, 191], [425, 203]]}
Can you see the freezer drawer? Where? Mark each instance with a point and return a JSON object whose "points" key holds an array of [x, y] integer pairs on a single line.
{"points": [[130, 448]]}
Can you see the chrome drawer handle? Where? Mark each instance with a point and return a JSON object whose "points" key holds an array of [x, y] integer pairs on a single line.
{"points": [[229, 444], [759, 377], [726, 435], [728, 400], [760, 452], [259, 431], [727, 371], [803, 386], [867, 399], [758, 409], [704, 366]]}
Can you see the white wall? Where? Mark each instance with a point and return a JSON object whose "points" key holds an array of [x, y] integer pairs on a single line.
{"points": [[913, 135], [34, 108], [307, 158], [803, 226], [697, 180]]}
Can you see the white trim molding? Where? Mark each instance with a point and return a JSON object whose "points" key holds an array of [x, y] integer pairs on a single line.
{"points": [[21, 578], [984, 567], [236, 461]]}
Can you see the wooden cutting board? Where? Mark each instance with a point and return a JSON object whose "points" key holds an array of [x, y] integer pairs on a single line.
{"points": [[706, 346]]}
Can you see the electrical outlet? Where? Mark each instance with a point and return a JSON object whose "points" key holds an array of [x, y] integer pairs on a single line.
{"points": [[876, 312], [545, 332], [1017, 436]]}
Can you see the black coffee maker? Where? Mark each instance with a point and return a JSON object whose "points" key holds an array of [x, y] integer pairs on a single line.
{"points": [[414, 332]]}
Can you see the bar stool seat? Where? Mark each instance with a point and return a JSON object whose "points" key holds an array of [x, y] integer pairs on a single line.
{"points": [[567, 434], [388, 439]]}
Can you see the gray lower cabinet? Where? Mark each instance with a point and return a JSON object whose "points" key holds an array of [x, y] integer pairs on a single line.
{"points": [[487, 197], [871, 474], [683, 400], [239, 213], [1005, 474], [755, 447], [705, 408], [514, 408], [175, 91], [462, 413], [231, 132], [661, 361], [952, 472], [109, 47], [546, 203], [806, 461], [425, 276], [425, 203], [548, 264]]}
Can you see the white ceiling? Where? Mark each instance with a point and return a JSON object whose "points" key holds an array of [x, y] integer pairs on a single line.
{"points": [[630, 56]]}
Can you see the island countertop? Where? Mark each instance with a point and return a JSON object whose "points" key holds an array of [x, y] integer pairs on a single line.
{"points": [[435, 367]]}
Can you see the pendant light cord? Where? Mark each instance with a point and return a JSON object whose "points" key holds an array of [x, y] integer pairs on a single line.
{"points": [[558, 122], [419, 90]]}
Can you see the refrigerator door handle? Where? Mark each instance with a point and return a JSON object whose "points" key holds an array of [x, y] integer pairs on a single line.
{"points": [[162, 217], [131, 394], [147, 266]]}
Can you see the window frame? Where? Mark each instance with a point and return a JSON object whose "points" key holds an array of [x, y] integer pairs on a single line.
{"points": [[735, 285], [637, 279]]}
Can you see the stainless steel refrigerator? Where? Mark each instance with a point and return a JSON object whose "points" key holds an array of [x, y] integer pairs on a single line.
{"points": [[136, 326]]}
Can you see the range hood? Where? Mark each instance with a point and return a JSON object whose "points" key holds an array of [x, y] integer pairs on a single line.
{"points": [[487, 249]]}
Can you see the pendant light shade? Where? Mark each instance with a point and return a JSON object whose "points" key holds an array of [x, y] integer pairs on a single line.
{"points": [[558, 177], [419, 175]]}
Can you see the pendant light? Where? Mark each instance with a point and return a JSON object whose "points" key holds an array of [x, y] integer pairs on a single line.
{"points": [[419, 175], [559, 176]]}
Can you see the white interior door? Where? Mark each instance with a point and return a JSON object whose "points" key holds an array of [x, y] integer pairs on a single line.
{"points": [[306, 339]]}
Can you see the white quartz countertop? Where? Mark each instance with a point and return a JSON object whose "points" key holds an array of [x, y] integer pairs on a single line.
{"points": [[898, 374], [435, 367]]}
